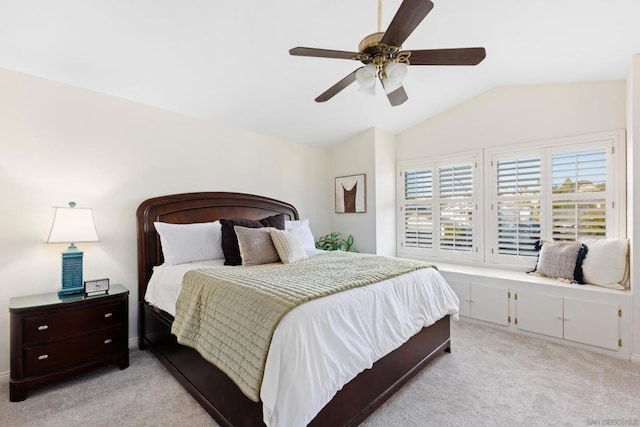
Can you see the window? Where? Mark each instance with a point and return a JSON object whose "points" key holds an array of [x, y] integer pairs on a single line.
{"points": [[418, 209], [438, 208], [579, 188], [495, 206], [560, 190], [518, 206], [456, 208]]}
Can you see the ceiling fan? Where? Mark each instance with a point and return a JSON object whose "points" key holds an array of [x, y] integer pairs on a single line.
{"points": [[383, 58]]}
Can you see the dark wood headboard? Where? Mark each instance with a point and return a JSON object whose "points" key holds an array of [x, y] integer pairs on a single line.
{"points": [[194, 207]]}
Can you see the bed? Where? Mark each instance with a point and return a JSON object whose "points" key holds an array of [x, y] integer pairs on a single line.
{"points": [[217, 394]]}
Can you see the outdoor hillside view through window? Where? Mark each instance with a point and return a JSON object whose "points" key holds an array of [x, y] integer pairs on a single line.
{"points": [[579, 195]]}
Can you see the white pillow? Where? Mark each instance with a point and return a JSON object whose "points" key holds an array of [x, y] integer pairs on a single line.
{"points": [[288, 245], [182, 243], [302, 230], [606, 263]]}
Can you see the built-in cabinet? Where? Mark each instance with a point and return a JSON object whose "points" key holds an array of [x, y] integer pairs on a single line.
{"points": [[580, 320], [584, 315], [482, 302]]}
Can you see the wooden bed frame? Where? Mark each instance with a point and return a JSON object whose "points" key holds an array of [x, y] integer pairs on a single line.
{"points": [[209, 386]]}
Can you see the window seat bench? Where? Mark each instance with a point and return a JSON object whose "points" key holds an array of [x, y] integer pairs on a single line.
{"points": [[587, 316]]}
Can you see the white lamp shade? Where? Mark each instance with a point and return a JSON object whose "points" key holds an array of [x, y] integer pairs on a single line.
{"points": [[395, 72], [72, 225], [366, 76]]}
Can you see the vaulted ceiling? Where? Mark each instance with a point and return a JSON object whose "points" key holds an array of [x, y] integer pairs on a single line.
{"points": [[228, 60]]}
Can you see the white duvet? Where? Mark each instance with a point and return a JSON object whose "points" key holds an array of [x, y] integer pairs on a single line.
{"points": [[321, 345]]}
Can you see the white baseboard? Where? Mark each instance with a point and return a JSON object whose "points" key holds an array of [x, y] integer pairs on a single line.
{"points": [[635, 358], [133, 343], [4, 377]]}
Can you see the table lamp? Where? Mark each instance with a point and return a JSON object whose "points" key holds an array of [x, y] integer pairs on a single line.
{"points": [[72, 225]]}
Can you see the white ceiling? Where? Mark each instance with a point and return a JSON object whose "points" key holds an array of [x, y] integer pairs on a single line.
{"points": [[229, 61]]}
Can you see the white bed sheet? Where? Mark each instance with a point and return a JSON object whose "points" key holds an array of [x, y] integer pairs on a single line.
{"points": [[166, 281], [320, 346]]}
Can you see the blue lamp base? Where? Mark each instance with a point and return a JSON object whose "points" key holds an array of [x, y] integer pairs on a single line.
{"points": [[71, 272]]}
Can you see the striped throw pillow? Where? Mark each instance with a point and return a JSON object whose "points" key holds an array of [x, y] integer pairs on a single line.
{"points": [[288, 245]]}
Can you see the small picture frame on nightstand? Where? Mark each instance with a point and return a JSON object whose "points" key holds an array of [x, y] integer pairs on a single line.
{"points": [[96, 287]]}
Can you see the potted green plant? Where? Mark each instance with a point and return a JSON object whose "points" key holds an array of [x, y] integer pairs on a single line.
{"points": [[335, 242]]}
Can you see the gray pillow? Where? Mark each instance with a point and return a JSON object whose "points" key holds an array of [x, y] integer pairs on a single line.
{"points": [[559, 260], [256, 246]]}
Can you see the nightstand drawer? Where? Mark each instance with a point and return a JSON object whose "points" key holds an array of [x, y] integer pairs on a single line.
{"points": [[70, 323], [42, 358]]}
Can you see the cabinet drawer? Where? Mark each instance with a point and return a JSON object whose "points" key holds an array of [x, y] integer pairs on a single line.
{"points": [[42, 358], [65, 324]]}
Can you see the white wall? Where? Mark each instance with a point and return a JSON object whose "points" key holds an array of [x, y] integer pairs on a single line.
{"points": [[516, 115], [633, 191], [60, 143], [373, 153], [385, 189], [353, 157]]}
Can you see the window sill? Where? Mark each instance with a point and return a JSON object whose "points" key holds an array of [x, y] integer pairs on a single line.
{"points": [[516, 275]]}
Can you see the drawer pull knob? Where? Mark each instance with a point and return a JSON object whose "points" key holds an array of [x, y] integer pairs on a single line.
{"points": [[43, 357], [43, 327], [108, 341], [108, 315]]}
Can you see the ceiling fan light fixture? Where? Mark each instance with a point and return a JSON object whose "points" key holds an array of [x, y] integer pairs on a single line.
{"points": [[366, 78], [368, 90], [394, 74]]}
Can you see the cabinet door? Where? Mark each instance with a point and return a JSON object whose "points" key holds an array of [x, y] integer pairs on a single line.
{"points": [[539, 313], [590, 322], [490, 304], [463, 291]]}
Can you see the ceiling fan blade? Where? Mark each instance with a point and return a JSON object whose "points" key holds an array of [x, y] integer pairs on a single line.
{"points": [[323, 53], [408, 17], [336, 88], [397, 97], [462, 56]]}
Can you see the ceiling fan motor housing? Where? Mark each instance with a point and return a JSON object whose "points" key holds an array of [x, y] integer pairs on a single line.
{"points": [[373, 51]]}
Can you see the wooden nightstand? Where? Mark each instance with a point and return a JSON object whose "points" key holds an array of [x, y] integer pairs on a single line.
{"points": [[53, 339]]}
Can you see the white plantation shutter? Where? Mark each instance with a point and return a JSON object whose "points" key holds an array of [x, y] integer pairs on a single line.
{"points": [[579, 194], [518, 206], [563, 189], [560, 192], [456, 208], [438, 209], [418, 209]]}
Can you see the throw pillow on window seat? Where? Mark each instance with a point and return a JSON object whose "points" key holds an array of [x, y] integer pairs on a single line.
{"points": [[561, 260], [607, 263]]}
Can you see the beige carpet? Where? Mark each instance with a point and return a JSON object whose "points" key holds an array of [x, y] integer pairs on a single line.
{"points": [[492, 378]]}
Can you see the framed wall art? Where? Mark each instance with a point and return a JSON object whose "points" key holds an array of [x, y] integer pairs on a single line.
{"points": [[351, 194]]}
